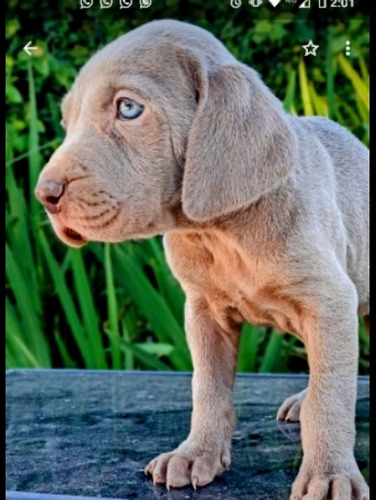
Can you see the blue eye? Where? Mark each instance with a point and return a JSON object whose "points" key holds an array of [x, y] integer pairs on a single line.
{"points": [[129, 110]]}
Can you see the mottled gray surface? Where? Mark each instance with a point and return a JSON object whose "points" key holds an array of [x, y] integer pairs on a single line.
{"points": [[90, 434]]}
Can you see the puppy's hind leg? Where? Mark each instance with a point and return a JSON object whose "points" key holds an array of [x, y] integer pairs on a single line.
{"points": [[289, 411], [290, 408]]}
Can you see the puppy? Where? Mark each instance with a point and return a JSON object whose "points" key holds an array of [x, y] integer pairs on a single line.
{"points": [[265, 220]]}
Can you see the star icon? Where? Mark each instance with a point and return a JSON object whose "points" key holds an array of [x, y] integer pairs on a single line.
{"points": [[310, 49]]}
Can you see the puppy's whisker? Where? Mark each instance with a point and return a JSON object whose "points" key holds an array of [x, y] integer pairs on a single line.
{"points": [[77, 178], [91, 203], [107, 194], [93, 217], [103, 224]]}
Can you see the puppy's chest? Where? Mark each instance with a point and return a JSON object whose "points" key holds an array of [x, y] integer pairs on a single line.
{"points": [[240, 286], [239, 292]]}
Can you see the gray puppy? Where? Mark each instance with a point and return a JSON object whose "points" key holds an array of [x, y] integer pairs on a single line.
{"points": [[265, 220]]}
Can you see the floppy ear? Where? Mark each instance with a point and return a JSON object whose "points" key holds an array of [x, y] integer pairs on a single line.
{"points": [[240, 145]]}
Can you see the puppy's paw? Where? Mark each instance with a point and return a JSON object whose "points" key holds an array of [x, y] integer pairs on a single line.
{"points": [[185, 466], [312, 485], [290, 408]]}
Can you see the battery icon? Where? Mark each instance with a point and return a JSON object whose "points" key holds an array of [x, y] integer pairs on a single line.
{"points": [[322, 4]]}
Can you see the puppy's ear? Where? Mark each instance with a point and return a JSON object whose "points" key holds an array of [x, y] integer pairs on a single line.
{"points": [[240, 145]]}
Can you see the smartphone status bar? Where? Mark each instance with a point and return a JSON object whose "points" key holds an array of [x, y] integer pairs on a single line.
{"points": [[255, 9]]}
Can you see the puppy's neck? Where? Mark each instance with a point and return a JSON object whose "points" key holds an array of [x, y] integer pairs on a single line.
{"points": [[269, 221]]}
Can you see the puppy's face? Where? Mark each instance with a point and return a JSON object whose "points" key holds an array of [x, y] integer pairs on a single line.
{"points": [[162, 117], [118, 173]]}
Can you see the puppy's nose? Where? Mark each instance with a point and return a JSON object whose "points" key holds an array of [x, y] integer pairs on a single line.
{"points": [[49, 193]]}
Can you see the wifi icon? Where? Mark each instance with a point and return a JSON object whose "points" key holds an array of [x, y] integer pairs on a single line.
{"points": [[275, 2]]}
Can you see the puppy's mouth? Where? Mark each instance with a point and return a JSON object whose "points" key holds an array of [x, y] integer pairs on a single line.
{"points": [[72, 237], [69, 236]]}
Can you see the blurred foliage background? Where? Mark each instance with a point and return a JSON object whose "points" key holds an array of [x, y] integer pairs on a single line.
{"points": [[118, 306]]}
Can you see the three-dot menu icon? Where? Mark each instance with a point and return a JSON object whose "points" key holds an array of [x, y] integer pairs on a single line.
{"points": [[348, 48]]}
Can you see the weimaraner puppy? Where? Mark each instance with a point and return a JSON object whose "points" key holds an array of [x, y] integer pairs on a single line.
{"points": [[264, 217]]}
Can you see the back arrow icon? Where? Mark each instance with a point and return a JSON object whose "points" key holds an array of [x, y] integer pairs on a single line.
{"points": [[28, 48]]}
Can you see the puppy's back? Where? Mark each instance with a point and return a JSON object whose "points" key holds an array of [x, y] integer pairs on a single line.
{"points": [[348, 173]]}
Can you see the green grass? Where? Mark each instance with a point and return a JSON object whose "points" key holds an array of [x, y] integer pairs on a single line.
{"points": [[353, 115], [118, 306]]}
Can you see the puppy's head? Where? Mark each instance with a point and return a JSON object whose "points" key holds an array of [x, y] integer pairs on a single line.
{"points": [[160, 117]]}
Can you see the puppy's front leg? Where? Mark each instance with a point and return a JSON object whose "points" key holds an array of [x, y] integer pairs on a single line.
{"points": [[207, 450], [327, 413]]}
